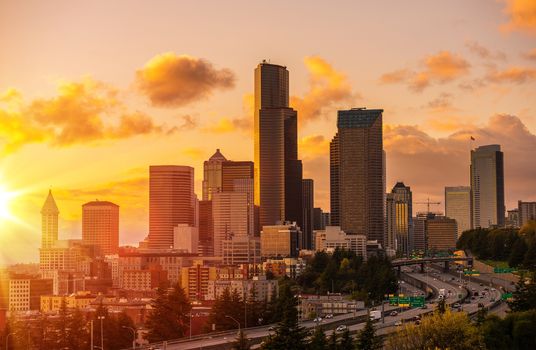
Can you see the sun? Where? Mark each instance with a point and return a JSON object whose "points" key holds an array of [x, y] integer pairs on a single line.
{"points": [[5, 200]]}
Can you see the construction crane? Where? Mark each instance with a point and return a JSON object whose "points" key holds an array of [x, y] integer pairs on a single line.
{"points": [[428, 203]]}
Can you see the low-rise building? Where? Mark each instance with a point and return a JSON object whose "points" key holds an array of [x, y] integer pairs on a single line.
{"points": [[280, 240], [262, 288], [53, 303], [334, 238]]}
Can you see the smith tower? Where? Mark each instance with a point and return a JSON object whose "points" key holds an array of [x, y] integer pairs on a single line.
{"points": [[278, 171], [49, 222]]}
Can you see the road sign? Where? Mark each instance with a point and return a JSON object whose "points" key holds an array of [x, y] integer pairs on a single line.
{"points": [[468, 272], [506, 296], [503, 270], [417, 301], [393, 300], [404, 301]]}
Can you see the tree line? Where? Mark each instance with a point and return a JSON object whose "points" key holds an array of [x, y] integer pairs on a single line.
{"points": [[345, 272], [70, 329], [516, 246]]}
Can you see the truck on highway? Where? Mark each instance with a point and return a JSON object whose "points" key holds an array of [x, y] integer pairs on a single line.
{"points": [[442, 292], [375, 315]]}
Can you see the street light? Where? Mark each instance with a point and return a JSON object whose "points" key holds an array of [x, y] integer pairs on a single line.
{"points": [[133, 335], [7, 339], [101, 318], [234, 319]]}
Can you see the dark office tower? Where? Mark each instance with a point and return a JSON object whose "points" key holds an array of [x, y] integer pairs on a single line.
{"points": [[277, 168], [206, 229], [399, 223], [487, 186], [212, 175], [171, 202], [334, 180], [231, 171], [308, 213], [360, 151], [318, 219]]}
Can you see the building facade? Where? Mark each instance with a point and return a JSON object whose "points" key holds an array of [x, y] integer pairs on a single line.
{"points": [[280, 240], [171, 202], [212, 175], [100, 226], [487, 186], [458, 207], [526, 212], [308, 214]]}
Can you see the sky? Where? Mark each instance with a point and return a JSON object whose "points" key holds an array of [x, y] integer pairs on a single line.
{"points": [[92, 93]]}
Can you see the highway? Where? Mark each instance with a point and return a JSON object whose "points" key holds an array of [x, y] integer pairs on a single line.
{"points": [[436, 279]]}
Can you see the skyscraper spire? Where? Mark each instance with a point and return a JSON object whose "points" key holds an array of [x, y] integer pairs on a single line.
{"points": [[49, 222]]}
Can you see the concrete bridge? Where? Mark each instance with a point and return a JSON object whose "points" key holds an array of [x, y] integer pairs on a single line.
{"points": [[398, 263]]}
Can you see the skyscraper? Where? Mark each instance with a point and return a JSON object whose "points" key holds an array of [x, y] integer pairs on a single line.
{"points": [[308, 214], [231, 171], [212, 175], [399, 214], [487, 185], [171, 202], [206, 229], [526, 212], [334, 180], [230, 213], [359, 184], [100, 226], [49, 222], [458, 206], [277, 168]]}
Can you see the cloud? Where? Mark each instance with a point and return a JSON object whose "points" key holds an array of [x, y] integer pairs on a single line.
{"points": [[483, 52], [82, 111], [518, 75], [441, 103], [411, 152], [531, 55], [194, 152], [450, 123], [171, 80], [189, 123], [439, 68], [313, 145], [521, 16], [327, 88]]}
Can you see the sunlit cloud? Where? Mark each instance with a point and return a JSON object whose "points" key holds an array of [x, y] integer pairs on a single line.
{"points": [[483, 52], [441, 103], [313, 145], [171, 80], [450, 123], [521, 16], [194, 152], [531, 55], [83, 111], [439, 68], [327, 88], [518, 75]]}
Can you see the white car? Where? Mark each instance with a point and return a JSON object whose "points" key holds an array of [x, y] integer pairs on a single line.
{"points": [[329, 316], [398, 323], [318, 319], [341, 328], [394, 313]]}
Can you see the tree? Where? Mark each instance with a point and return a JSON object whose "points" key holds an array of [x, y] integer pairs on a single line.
{"points": [[78, 335], [518, 252], [524, 297], [529, 260], [451, 330], [241, 342], [228, 304], [441, 306], [366, 338], [169, 318], [332, 341], [318, 340], [288, 333], [346, 341], [515, 331]]}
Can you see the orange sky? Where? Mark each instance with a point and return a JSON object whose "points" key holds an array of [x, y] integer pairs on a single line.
{"points": [[92, 93]]}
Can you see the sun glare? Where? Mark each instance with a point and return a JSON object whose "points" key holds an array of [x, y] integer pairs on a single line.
{"points": [[5, 199]]}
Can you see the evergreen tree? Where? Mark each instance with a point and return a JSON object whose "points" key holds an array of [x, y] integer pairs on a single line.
{"points": [[366, 338], [288, 333], [524, 297], [241, 342], [481, 315], [318, 340], [332, 341], [441, 306], [346, 341], [529, 260], [169, 318], [518, 252], [78, 335], [228, 304]]}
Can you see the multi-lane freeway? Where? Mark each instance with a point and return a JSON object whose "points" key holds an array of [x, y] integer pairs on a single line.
{"points": [[473, 292]]}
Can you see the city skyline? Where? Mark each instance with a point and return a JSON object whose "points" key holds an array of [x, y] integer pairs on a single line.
{"points": [[109, 162]]}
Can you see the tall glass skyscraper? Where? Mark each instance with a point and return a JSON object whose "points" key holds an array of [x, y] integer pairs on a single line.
{"points": [[359, 184], [278, 171], [487, 186]]}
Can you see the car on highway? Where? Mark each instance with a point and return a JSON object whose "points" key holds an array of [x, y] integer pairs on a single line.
{"points": [[398, 323], [329, 316], [456, 305], [318, 319], [393, 313], [341, 328], [271, 328]]}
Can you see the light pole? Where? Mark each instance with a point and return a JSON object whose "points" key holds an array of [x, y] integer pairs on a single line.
{"points": [[7, 339], [234, 319], [133, 335], [101, 318]]}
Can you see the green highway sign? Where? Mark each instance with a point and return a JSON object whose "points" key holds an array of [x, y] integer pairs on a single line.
{"points": [[503, 270], [471, 272], [417, 301], [506, 296], [393, 300], [404, 301]]}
